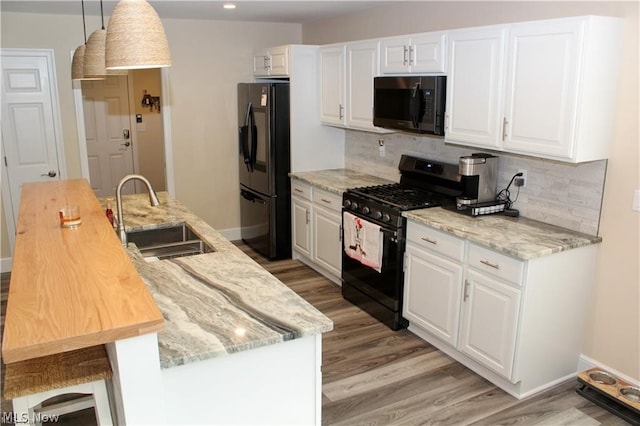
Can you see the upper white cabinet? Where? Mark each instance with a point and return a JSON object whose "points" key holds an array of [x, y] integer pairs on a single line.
{"points": [[332, 85], [539, 92], [272, 62], [475, 87], [346, 84], [419, 53]]}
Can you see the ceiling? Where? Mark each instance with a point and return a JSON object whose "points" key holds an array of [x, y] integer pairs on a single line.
{"points": [[289, 11]]}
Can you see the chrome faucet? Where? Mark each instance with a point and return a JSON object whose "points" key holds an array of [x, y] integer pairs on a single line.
{"points": [[153, 199]]}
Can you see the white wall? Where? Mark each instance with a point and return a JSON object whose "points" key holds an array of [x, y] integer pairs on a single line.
{"points": [[614, 324], [209, 59]]}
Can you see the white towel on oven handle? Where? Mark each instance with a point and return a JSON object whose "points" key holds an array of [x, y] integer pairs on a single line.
{"points": [[363, 241]]}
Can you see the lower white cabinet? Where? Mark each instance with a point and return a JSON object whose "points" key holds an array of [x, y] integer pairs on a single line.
{"points": [[317, 228], [518, 323]]}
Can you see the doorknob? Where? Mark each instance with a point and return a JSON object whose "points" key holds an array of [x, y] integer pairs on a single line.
{"points": [[126, 134], [127, 143], [52, 173]]}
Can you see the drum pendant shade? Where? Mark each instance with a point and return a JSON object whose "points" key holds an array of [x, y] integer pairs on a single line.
{"points": [[136, 38], [94, 55], [77, 65]]}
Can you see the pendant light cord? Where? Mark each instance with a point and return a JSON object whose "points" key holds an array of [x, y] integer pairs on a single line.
{"points": [[102, 14], [84, 25]]}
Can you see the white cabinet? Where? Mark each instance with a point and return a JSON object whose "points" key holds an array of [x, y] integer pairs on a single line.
{"points": [[346, 85], [535, 88], [490, 312], [327, 230], [433, 275], [419, 53], [518, 323], [475, 87], [317, 228], [332, 85], [272, 62], [301, 217]]}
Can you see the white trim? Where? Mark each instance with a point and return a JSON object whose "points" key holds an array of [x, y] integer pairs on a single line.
{"points": [[6, 264], [586, 363], [7, 202], [168, 138], [231, 234]]}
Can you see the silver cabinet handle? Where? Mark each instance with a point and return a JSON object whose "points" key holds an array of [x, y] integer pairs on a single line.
{"points": [[341, 112], [505, 123], [466, 290], [298, 190], [307, 216], [325, 200], [411, 55], [489, 264], [51, 174], [429, 240], [404, 55]]}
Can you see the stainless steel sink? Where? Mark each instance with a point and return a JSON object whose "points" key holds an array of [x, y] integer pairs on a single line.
{"points": [[168, 243]]}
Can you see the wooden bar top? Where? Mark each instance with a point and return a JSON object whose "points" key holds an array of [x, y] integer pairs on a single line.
{"points": [[70, 288]]}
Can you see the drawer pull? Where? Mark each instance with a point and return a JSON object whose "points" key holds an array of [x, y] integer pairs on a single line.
{"points": [[325, 200], [489, 264], [298, 190], [466, 290], [429, 240]]}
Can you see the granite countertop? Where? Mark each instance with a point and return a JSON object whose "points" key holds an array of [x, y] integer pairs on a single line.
{"points": [[215, 303], [338, 180], [519, 237]]}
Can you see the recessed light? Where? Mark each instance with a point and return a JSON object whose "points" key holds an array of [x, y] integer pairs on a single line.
{"points": [[229, 6]]}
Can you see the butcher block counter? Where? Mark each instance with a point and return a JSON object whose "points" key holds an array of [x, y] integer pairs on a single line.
{"points": [[71, 288]]}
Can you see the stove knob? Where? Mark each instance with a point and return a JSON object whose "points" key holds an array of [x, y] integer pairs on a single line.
{"points": [[354, 205], [377, 214], [386, 218], [347, 203], [366, 210]]}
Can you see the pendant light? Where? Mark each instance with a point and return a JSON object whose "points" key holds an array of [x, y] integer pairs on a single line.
{"points": [[77, 64], [94, 54], [136, 38]]}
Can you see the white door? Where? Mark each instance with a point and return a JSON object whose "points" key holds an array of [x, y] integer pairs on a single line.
{"points": [[428, 53], [108, 133], [301, 217], [362, 67], [332, 85], [31, 130], [394, 55], [327, 238], [475, 87]]}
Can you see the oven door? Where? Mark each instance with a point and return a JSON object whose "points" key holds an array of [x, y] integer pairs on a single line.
{"points": [[378, 293]]}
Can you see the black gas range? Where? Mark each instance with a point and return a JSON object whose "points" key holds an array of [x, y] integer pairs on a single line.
{"points": [[424, 183]]}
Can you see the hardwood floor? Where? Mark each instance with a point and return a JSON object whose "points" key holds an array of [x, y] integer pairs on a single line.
{"points": [[375, 376]]}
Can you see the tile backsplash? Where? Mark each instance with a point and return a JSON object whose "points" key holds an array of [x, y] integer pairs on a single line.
{"points": [[563, 194]]}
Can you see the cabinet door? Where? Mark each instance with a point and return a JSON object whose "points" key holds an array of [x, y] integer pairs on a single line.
{"points": [[475, 87], [432, 293], [301, 225], [327, 237], [490, 322], [279, 61], [542, 87], [394, 55], [332, 85], [260, 68], [428, 53], [362, 67]]}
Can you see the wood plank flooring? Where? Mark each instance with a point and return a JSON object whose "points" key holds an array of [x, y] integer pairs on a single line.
{"points": [[375, 376]]}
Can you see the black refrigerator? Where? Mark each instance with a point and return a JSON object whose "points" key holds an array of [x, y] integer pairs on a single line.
{"points": [[265, 189]]}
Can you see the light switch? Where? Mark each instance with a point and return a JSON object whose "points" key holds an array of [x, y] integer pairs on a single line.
{"points": [[636, 200]]}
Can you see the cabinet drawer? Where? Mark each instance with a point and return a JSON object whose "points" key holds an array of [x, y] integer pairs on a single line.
{"points": [[327, 199], [300, 189], [499, 265], [437, 241]]}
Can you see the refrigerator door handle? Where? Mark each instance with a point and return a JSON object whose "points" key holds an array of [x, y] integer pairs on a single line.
{"points": [[254, 138], [250, 197], [244, 138]]}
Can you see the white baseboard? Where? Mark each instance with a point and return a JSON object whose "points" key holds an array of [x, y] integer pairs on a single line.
{"points": [[232, 234], [586, 363], [6, 264]]}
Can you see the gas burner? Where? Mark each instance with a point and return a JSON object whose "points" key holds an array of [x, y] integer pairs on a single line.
{"points": [[400, 196]]}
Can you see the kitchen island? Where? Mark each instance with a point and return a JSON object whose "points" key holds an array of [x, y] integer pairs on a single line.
{"points": [[238, 345], [214, 339]]}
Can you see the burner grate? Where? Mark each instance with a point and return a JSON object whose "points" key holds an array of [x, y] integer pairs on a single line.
{"points": [[400, 196]]}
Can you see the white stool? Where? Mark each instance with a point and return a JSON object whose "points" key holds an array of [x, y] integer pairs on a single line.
{"points": [[85, 371]]}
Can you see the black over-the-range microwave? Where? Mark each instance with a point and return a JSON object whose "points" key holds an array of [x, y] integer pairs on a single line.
{"points": [[411, 103]]}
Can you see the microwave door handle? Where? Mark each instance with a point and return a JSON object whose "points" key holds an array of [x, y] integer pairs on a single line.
{"points": [[414, 105]]}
